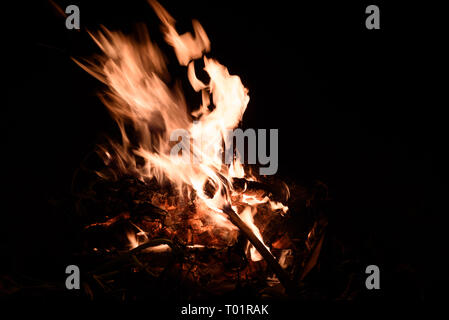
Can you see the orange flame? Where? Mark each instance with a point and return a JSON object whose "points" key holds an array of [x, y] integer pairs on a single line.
{"points": [[139, 96]]}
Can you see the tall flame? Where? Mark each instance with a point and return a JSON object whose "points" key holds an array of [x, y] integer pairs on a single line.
{"points": [[139, 97]]}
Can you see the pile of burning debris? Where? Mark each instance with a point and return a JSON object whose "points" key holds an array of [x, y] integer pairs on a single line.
{"points": [[141, 239], [196, 222]]}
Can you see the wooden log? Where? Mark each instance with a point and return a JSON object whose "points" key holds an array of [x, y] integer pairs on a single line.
{"points": [[269, 258]]}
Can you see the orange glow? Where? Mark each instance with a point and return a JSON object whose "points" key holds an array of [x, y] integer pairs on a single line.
{"points": [[139, 96]]}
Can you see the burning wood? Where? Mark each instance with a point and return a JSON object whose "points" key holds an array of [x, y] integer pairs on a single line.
{"points": [[260, 246], [191, 201]]}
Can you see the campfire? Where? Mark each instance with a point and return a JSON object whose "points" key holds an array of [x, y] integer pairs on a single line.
{"points": [[172, 201]]}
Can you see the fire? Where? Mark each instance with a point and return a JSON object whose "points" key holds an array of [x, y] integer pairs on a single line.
{"points": [[139, 97], [247, 216]]}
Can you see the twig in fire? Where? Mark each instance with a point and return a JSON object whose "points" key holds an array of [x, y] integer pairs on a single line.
{"points": [[271, 261]]}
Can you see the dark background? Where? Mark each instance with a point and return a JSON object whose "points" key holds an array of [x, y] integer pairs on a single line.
{"points": [[356, 109]]}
